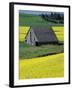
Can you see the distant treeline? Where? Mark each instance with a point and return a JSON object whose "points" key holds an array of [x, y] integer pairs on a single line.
{"points": [[54, 17]]}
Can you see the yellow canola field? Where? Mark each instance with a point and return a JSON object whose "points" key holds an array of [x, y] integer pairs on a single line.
{"points": [[42, 67], [58, 28], [23, 30], [59, 31]]}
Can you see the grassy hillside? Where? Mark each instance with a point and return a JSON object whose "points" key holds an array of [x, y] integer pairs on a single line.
{"points": [[33, 20]]}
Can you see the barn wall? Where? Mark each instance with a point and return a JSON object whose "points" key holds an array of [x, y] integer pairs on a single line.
{"points": [[28, 38], [34, 38], [31, 39]]}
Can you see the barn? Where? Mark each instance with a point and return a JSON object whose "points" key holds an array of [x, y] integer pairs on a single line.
{"points": [[40, 35]]}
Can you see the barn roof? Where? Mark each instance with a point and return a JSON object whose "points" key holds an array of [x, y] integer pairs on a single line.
{"points": [[44, 34]]}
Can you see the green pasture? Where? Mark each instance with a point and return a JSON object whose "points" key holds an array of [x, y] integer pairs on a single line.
{"points": [[34, 20], [27, 51]]}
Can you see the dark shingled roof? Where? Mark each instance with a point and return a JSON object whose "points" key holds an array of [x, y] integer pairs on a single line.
{"points": [[44, 34]]}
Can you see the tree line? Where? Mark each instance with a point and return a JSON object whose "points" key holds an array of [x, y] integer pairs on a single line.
{"points": [[54, 17]]}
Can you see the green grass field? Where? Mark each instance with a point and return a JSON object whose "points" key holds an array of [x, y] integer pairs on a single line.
{"points": [[26, 51], [34, 20]]}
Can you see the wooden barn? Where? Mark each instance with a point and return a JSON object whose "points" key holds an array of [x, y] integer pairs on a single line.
{"points": [[40, 35]]}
